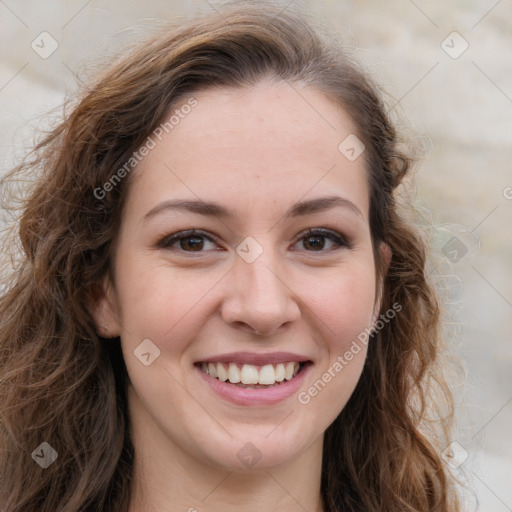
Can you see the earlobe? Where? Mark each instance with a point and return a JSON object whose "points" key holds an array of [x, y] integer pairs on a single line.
{"points": [[103, 309], [385, 254], [385, 259]]}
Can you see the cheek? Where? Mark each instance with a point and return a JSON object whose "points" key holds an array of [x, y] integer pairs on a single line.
{"points": [[342, 309], [158, 301], [343, 304]]}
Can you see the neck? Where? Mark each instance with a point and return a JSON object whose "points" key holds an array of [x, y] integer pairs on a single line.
{"points": [[167, 479]]}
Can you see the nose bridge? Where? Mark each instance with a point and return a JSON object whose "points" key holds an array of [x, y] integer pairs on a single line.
{"points": [[259, 298], [261, 281]]}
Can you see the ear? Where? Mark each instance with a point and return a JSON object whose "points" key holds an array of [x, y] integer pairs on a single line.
{"points": [[385, 259], [104, 310]]}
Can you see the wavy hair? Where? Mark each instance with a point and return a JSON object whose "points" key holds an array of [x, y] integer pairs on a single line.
{"points": [[61, 382]]}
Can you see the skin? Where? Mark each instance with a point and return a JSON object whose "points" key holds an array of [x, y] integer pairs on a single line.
{"points": [[256, 151]]}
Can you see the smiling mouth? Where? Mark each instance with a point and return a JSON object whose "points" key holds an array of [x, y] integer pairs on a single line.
{"points": [[253, 376]]}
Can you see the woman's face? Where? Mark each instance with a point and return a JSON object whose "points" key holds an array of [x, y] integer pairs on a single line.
{"points": [[277, 274]]}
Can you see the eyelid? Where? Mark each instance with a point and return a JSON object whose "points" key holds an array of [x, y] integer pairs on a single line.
{"points": [[168, 240], [338, 238]]}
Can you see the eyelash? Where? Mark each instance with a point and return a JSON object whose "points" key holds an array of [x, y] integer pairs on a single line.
{"points": [[335, 237]]}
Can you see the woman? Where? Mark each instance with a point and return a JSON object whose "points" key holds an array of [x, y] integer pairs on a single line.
{"points": [[218, 303]]}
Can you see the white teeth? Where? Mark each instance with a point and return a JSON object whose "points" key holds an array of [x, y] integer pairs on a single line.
{"points": [[251, 374], [212, 369], [267, 375], [234, 375], [222, 374], [280, 372], [288, 371]]}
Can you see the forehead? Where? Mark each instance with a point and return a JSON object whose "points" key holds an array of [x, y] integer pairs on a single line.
{"points": [[277, 141]]}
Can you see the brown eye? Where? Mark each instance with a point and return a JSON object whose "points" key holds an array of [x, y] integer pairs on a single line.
{"points": [[188, 241], [192, 243], [314, 243], [322, 240]]}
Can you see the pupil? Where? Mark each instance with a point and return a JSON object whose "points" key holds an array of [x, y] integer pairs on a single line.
{"points": [[314, 242], [192, 243]]}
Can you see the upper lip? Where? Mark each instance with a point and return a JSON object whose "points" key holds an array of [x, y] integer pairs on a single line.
{"points": [[258, 359]]}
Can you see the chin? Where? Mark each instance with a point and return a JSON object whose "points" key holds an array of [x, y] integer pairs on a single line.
{"points": [[254, 451]]}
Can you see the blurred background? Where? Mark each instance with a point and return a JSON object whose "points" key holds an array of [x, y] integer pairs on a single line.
{"points": [[447, 67]]}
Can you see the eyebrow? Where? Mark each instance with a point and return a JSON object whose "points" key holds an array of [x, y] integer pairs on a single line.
{"points": [[212, 209]]}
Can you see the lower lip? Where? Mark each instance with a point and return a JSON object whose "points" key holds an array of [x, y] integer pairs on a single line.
{"points": [[255, 396]]}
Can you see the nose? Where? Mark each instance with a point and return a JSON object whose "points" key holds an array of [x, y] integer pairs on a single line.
{"points": [[258, 299]]}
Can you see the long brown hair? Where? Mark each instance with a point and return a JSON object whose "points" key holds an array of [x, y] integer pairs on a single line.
{"points": [[63, 384]]}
